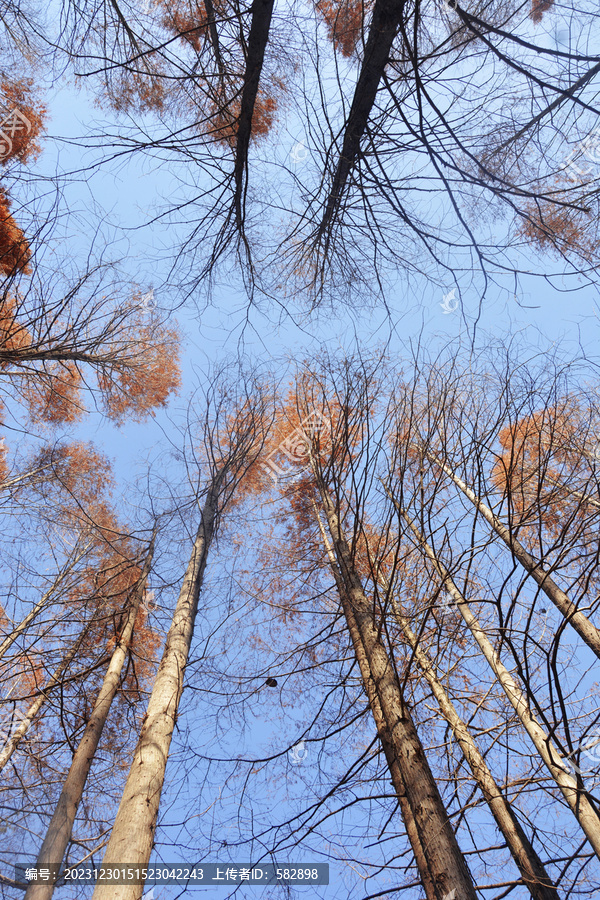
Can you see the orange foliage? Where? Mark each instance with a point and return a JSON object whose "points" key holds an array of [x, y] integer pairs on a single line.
{"points": [[32, 679], [191, 25], [5, 623], [111, 571], [3, 467], [291, 440], [20, 141], [84, 474], [145, 645], [311, 420], [54, 394], [518, 468], [373, 559], [12, 335], [539, 462], [15, 252], [102, 528], [539, 7], [224, 119], [145, 372], [146, 383], [107, 584], [560, 228], [114, 586], [138, 91], [345, 21]]}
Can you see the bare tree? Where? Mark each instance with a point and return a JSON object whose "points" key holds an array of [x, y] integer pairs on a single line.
{"points": [[60, 828], [233, 439]]}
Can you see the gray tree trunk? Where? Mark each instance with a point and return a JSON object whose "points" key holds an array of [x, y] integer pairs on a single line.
{"points": [[446, 869], [60, 828], [581, 807], [132, 835], [582, 625]]}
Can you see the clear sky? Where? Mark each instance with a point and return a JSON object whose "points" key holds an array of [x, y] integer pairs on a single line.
{"points": [[127, 192]]}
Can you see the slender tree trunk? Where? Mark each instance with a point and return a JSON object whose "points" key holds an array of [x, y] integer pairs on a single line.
{"points": [[19, 479], [214, 36], [528, 862], [526, 859], [380, 723], [132, 835], [584, 812], [34, 708], [585, 498], [262, 10], [582, 625], [29, 618], [386, 18], [446, 868], [60, 828]]}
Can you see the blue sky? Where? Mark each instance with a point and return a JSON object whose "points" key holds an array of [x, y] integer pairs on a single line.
{"points": [[542, 315]]}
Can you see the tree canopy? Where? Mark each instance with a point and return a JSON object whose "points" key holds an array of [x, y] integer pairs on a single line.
{"points": [[293, 579]]}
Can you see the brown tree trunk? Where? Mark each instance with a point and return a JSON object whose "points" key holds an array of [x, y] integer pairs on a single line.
{"points": [[380, 723], [584, 811], [60, 828], [132, 835], [445, 866], [262, 11], [528, 862], [582, 625], [387, 15]]}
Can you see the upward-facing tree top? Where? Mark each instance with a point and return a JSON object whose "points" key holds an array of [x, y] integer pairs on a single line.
{"points": [[432, 139]]}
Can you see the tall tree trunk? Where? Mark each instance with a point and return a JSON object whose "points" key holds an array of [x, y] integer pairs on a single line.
{"points": [[526, 859], [446, 868], [578, 801], [132, 835], [585, 498], [60, 828], [582, 625], [387, 15], [262, 10], [380, 723], [214, 36]]}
